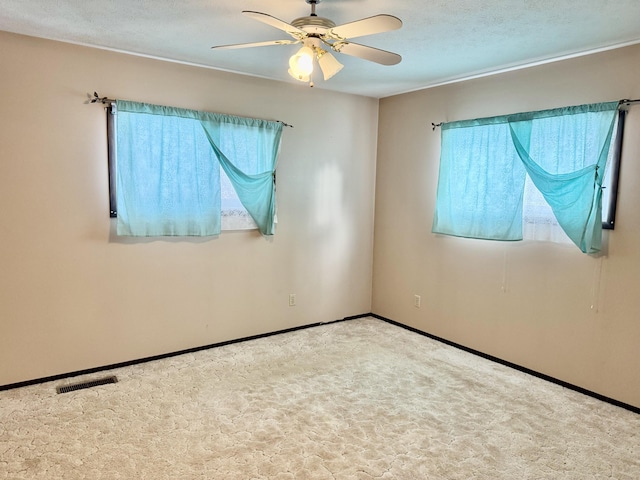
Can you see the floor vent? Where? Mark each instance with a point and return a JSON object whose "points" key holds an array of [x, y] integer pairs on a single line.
{"points": [[88, 384]]}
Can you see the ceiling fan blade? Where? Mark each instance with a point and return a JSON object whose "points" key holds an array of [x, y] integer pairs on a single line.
{"points": [[366, 26], [255, 44], [368, 53], [276, 22]]}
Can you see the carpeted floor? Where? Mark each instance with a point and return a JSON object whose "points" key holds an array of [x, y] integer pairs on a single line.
{"points": [[360, 399]]}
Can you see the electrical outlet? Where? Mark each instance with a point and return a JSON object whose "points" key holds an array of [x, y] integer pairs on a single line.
{"points": [[416, 301], [292, 299]]}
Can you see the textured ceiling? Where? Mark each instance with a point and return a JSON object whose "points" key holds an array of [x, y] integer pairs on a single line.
{"points": [[440, 41]]}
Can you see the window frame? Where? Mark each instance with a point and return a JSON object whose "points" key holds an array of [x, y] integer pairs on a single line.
{"points": [[608, 222], [111, 158]]}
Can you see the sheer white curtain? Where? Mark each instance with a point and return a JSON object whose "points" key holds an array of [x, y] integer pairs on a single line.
{"points": [[538, 221]]}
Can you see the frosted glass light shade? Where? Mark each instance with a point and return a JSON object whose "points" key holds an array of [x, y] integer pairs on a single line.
{"points": [[301, 64], [329, 65]]}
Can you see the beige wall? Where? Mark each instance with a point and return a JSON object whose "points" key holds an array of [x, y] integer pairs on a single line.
{"points": [[73, 296], [546, 307]]}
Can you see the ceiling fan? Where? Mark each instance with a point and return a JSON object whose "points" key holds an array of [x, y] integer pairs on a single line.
{"points": [[319, 35]]}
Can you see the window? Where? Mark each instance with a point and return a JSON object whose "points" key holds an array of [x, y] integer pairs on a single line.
{"points": [[501, 175], [184, 172]]}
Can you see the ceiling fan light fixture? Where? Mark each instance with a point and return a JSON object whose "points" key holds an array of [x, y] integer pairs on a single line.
{"points": [[328, 64], [301, 64], [316, 32]]}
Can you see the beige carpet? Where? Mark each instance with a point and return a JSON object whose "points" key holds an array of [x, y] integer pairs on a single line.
{"points": [[360, 399]]}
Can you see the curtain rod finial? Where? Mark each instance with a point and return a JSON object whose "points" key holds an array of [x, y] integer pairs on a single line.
{"points": [[97, 99]]}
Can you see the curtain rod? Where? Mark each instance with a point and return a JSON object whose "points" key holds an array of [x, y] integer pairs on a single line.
{"points": [[625, 102], [105, 100]]}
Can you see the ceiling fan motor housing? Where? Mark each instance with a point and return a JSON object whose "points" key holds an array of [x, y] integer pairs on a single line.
{"points": [[313, 24]]}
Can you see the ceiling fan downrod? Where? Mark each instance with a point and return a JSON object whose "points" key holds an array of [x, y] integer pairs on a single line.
{"points": [[313, 4]]}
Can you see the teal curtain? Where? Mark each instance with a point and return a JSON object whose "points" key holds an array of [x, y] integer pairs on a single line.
{"points": [[168, 169], [484, 161], [480, 184]]}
